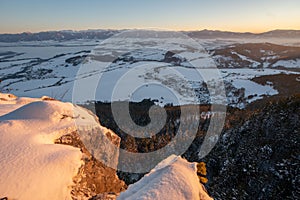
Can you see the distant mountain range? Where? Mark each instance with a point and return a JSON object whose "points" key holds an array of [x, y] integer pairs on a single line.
{"points": [[104, 34], [58, 35], [207, 34]]}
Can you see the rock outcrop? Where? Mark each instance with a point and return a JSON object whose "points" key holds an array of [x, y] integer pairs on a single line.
{"points": [[93, 177]]}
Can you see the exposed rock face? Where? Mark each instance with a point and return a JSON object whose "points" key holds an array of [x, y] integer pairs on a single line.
{"points": [[104, 196], [93, 176], [260, 159]]}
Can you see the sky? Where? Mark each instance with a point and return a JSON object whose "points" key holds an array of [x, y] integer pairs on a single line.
{"points": [[230, 15]]}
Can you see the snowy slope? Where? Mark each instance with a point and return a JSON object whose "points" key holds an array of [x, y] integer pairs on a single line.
{"points": [[32, 166], [173, 178]]}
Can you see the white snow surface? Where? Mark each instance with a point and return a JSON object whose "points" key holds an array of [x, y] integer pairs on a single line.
{"points": [[288, 63], [32, 166], [173, 178], [48, 73], [252, 88]]}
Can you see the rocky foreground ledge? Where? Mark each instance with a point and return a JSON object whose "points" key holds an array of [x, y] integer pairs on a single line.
{"points": [[42, 156]]}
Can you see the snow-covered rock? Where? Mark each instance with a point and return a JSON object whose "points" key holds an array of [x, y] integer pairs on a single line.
{"points": [[33, 165], [173, 178]]}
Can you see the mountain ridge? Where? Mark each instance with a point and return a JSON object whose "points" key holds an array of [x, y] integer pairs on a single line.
{"points": [[65, 35]]}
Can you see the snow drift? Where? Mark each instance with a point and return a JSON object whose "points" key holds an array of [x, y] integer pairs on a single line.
{"points": [[173, 178]]}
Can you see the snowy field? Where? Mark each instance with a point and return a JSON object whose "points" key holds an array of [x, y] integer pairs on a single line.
{"points": [[137, 68]]}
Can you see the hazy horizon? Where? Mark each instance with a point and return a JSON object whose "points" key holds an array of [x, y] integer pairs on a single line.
{"points": [[96, 29], [237, 16]]}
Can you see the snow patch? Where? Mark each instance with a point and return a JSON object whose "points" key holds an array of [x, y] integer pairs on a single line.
{"points": [[254, 89], [288, 63]]}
